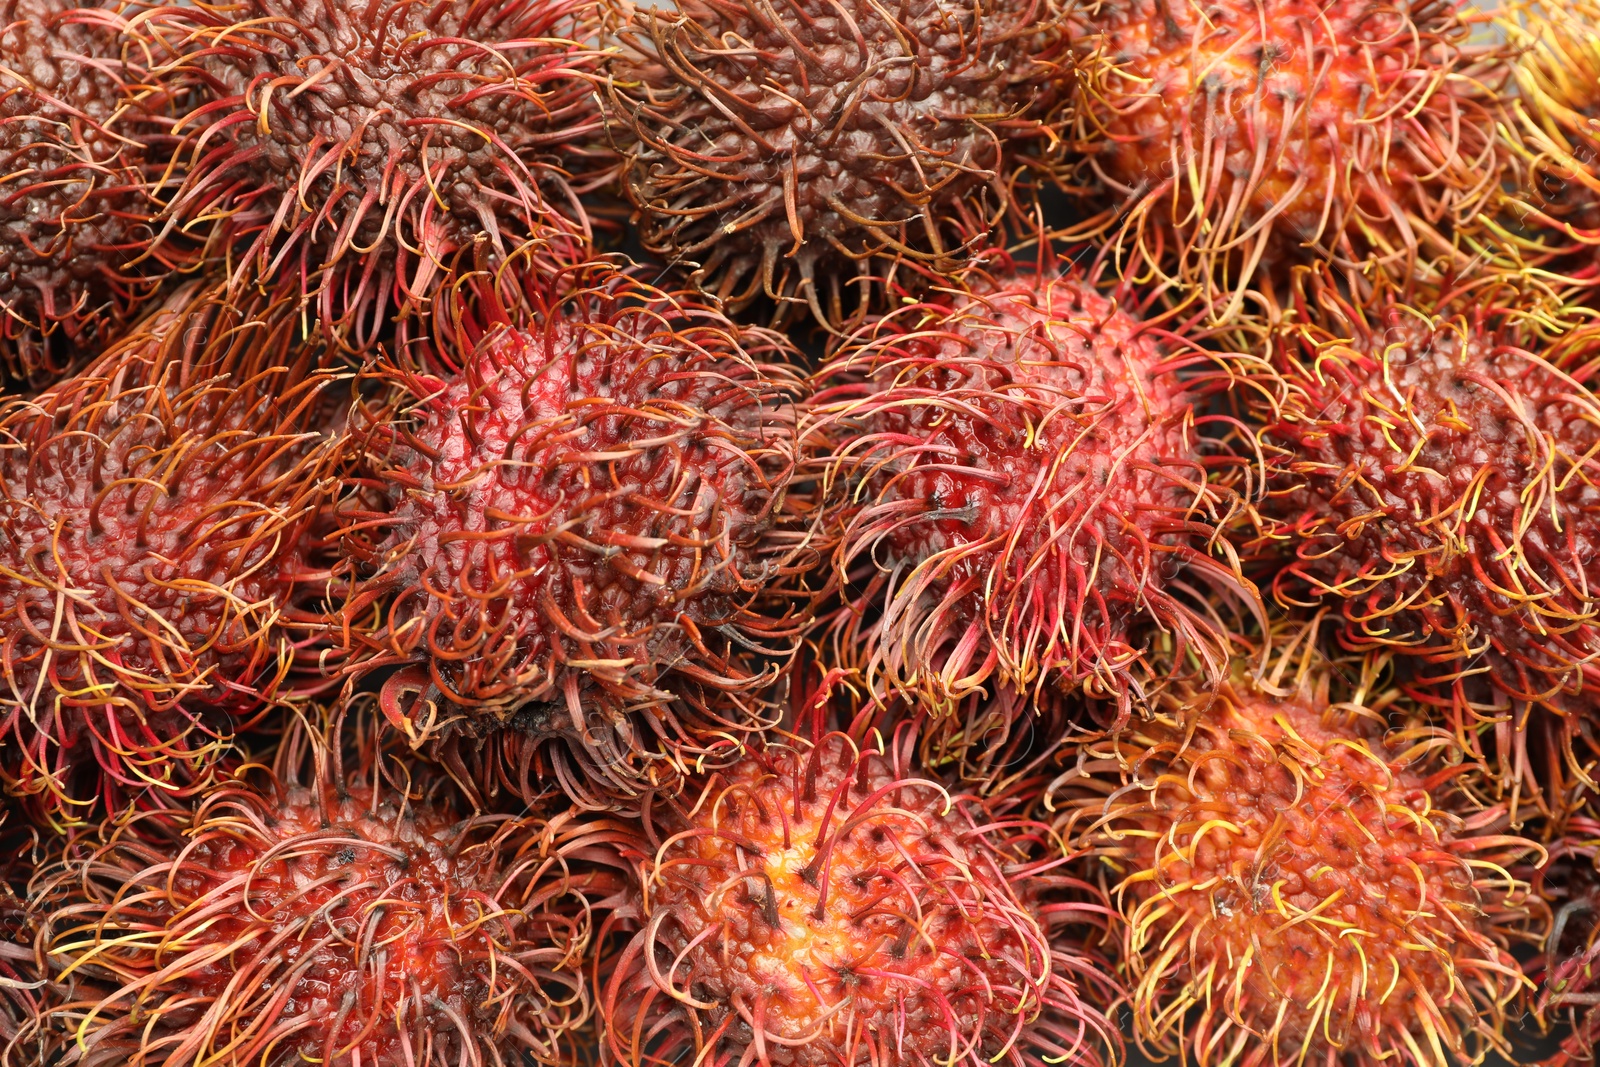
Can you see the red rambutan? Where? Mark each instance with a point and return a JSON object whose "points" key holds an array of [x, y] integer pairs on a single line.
{"points": [[154, 513], [1237, 135], [359, 146], [796, 149], [1021, 481], [324, 912], [82, 148], [1437, 480], [581, 481], [820, 905], [1298, 886]]}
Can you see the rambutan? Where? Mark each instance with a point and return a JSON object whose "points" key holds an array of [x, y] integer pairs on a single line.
{"points": [[580, 480], [329, 911], [797, 149], [1298, 884], [82, 149], [1436, 478], [821, 904], [1238, 135], [154, 578], [1021, 482], [1555, 135], [359, 146], [1570, 986]]}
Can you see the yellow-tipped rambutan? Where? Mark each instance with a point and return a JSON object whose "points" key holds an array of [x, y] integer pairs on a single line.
{"points": [[1299, 881], [1436, 471]]}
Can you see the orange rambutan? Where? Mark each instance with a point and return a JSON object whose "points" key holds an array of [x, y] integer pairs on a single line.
{"points": [[1298, 879], [820, 904], [1236, 136]]}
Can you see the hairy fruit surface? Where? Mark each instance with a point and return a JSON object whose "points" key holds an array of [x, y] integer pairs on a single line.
{"points": [[82, 149], [341, 920], [794, 149], [1236, 135], [154, 511], [360, 145], [1437, 480], [1020, 481], [583, 478], [825, 907], [1297, 883]]}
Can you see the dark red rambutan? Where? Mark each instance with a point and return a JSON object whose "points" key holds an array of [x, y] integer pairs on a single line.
{"points": [[359, 146], [326, 911], [1299, 883], [821, 905], [154, 578], [576, 493], [1021, 482], [83, 149], [1437, 481], [1238, 135], [797, 149]]}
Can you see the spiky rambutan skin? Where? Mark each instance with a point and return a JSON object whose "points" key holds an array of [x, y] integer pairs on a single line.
{"points": [[1238, 135], [155, 585], [823, 906], [1570, 883], [1296, 890], [1019, 479], [361, 145], [82, 149], [794, 149], [582, 479], [1437, 480], [1554, 135], [327, 913]]}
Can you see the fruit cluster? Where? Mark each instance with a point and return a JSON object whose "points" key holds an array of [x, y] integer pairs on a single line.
{"points": [[799, 533]]}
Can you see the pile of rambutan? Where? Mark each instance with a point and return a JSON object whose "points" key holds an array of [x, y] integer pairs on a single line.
{"points": [[799, 533]]}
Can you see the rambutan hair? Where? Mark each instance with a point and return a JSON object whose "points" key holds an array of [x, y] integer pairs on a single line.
{"points": [[1020, 480], [1300, 881], [1230, 139], [793, 151], [358, 147], [1568, 988], [1552, 132], [156, 586], [1434, 470], [338, 905], [627, 452], [822, 903], [84, 146]]}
